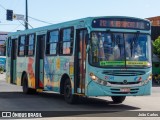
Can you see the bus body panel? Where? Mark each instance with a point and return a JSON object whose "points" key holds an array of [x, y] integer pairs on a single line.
{"points": [[26, 65], [56, 66], [8, 77], [100, 90], [115, 84]]}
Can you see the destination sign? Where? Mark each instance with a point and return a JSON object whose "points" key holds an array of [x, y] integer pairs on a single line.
{"points": [[126, 23]]}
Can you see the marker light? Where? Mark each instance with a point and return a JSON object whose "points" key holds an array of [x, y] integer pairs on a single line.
{"points": [[147, 80], [148, 64], [150, 77]]}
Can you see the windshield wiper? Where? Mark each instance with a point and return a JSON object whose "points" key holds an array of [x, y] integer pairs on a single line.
{"points": [[136, 36], [134, 40]]}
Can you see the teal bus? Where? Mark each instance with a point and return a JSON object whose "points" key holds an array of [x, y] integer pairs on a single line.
{"points": [[3, 38], [94, 56]]}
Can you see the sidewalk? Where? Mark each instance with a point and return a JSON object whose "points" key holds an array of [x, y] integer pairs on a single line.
{"points": [[3, 76]]}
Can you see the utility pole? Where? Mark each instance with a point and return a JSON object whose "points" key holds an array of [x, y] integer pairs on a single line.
{"points": [[26, 21]]}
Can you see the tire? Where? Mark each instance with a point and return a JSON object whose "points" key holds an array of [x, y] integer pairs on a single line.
{"points": [[26, 89], [68, 96], [118, 99]]}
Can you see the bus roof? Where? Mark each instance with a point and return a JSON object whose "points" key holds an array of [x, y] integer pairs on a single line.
{"points": [[67, 24]]}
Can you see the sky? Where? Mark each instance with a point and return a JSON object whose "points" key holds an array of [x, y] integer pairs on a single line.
{"points": [[56, 11]]}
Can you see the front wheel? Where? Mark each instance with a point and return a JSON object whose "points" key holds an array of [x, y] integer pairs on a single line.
{"points": [[68, 96], [118, 99]]}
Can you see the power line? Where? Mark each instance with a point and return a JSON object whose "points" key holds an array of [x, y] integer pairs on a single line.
{"points": [[40, 20], [28, 23], [6, 9], [16, 27], [9, 24], [3, 7], [25, 20]]}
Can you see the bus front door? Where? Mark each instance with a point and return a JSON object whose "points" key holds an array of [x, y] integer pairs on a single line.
{"points": [[80, 61], [13, 61], [39, 66]]}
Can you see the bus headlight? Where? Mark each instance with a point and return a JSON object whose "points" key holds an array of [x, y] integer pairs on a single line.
{"points": [[97, 80], [93, 77]]}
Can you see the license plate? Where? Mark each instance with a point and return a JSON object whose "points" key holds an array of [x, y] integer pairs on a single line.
{"points": [[125, 89]]}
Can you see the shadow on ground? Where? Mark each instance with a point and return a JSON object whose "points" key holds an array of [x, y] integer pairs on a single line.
{"points": [[51, 104]]}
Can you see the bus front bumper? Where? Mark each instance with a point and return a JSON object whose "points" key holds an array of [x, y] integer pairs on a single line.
{"points": [[94, 89]]}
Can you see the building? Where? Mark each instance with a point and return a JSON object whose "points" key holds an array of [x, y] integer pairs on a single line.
{"points": [[155, 28], [155, 20]]}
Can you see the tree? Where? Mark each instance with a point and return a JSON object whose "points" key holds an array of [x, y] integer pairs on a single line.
{"points": [[1, 70], [156, 46]]}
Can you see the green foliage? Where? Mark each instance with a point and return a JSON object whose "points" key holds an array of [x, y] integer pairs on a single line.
{"points": [[156, 46], [1, 69]]}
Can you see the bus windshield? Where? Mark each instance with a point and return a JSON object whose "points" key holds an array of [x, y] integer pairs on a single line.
{"points": [[120, 49], [2, 48], [2, 61]]}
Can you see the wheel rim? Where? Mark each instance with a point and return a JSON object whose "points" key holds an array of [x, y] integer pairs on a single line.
{"points": [[68, 91], [25, 86]]}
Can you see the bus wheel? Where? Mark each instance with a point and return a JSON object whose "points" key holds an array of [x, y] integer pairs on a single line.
{"points": [[26, 89], [118, 99], [68, 96]]}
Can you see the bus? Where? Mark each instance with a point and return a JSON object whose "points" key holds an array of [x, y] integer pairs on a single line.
{"points": [[93, 56], [3, 38]]}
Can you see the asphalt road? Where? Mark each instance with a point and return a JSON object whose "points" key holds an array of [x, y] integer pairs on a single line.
{"points": [[12, 99]]}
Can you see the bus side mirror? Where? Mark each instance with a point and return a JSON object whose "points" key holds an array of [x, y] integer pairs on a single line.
{"points": [[87, 39], [87, 49]]}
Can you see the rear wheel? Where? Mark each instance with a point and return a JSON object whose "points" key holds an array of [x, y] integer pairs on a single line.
{"points": [[68, 96], [118, 99], [26, 89]]}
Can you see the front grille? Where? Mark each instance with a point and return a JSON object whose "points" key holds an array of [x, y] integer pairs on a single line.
{"points": [[122, 83], [124, 72], [117, 89]]}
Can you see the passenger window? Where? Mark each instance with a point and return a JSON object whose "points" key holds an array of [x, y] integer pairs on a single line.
{"points": [[30, 45], [52, 42], [21, 46], [66, 46]]}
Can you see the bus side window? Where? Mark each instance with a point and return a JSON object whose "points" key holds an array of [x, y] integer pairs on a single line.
{"points": [[52, 42], [21, 45], [30, 43], [66, 43]]}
